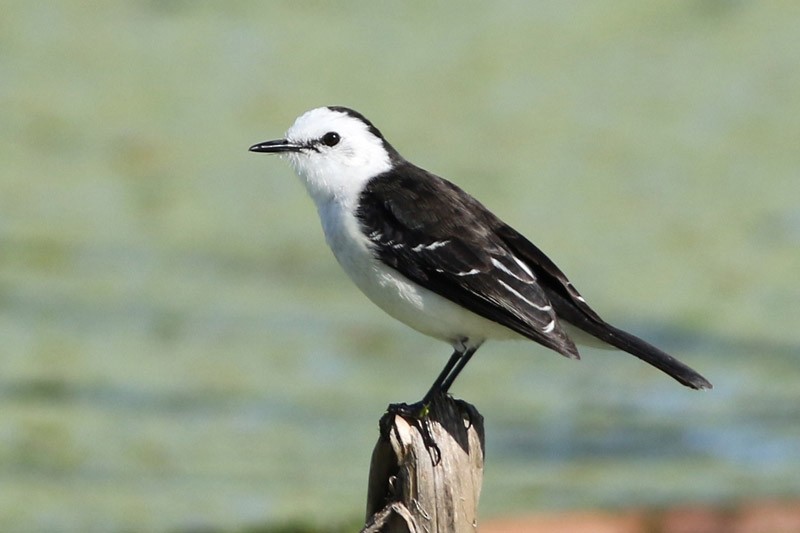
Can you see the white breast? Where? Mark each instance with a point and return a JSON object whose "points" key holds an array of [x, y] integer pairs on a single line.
{"points": [[417, 307]]}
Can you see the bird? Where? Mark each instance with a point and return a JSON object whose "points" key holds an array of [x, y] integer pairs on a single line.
{"points": [[433, 257]]}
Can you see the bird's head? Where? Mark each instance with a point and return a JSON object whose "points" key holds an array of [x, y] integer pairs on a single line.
{"points": [[334, 151]]}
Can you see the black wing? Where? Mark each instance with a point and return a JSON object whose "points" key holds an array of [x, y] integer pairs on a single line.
{"points": [[441, 238], [437, 235], [571, 307]]}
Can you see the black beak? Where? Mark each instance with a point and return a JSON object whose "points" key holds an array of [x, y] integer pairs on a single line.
{"points": [[276, 147]]}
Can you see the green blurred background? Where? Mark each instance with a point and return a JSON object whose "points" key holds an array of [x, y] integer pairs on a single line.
{"points": [[179, 349]]}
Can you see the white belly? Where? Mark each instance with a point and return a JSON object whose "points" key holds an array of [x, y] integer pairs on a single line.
{"points": [[417, 307]]}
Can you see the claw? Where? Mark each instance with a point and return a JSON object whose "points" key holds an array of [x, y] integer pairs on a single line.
{"points": [[417, 414]]}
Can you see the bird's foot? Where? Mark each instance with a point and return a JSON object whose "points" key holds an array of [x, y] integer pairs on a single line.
{"points": [[417, 414], [411, 411]]}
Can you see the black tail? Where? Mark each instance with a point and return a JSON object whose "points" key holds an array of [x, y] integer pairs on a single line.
{"points": [[596, 327], [647, 353], [571, 307]]}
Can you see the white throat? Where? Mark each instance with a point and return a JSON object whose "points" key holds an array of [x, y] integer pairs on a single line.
{"points": [[338, 173]]}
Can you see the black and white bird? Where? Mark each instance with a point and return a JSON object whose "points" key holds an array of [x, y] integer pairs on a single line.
{"points": [[435, 258]]}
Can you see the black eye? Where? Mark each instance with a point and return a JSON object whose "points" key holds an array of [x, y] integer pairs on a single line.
{"points": [[331, 138]]}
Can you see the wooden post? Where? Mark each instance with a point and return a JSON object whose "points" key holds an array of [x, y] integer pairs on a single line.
{"points": [[414, 488]]}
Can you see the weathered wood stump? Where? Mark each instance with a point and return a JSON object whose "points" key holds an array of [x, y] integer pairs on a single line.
{"points": [[414, 487]]}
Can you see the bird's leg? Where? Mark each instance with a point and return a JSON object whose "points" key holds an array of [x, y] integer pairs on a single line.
{"points": [[456, 370], [443, 380], [451, 377], [417, 412]]}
